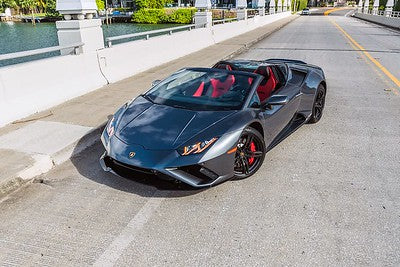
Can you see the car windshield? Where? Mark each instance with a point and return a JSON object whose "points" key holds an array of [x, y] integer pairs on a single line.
{"points": [[203, 89]]}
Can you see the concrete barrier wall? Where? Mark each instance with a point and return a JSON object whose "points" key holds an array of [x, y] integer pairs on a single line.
{"points": [[387, 21], [124, 60], [127, 59], [222, 32], [38, 85], [35, 86]]}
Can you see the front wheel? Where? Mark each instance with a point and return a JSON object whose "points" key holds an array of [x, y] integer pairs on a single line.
{"points": [[250, 153], [319, 104]]}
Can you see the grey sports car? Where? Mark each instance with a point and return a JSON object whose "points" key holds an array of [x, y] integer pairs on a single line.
{"points": [[203, 126]]}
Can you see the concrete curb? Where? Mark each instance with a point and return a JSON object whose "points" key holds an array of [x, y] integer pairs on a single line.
{"points": [[44, 163]]}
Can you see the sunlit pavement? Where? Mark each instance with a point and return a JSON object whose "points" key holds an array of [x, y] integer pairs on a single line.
{"points": [[327, 195]]}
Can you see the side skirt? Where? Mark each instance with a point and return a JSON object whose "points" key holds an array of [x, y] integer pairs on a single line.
{"points": [[297, 121]]}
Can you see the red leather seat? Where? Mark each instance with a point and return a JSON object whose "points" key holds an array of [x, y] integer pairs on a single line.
{"points": [[268, 84], [199, 90], [221, 87]]}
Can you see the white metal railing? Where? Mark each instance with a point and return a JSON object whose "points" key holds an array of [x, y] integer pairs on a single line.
{"points": [[39, 51], [148, 34], [393, 14]]}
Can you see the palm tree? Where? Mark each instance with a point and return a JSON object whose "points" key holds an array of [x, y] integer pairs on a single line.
{"points": [[29, 4]]}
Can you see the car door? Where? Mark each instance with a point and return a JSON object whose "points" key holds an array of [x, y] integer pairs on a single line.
{"points": [[276, 117]]}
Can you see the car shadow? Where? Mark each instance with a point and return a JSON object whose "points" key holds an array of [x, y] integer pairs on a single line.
{"points": [[86, 161]]}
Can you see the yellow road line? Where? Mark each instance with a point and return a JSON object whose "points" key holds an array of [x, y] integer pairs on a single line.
{"points": [[380, 74], [326, 13], [368, 55]]}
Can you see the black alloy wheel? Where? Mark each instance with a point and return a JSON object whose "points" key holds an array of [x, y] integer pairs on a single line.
{"points": [[319, 104], [250, 153]]}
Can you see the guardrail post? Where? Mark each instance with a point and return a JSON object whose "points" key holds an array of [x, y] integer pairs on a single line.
{"points": [[360, 7], [271, 7], [261, 7], [77, 50], [241, 12], [389, 8], [366, 7], [375, 8], [203, 17], [79, 25], [280, 6], [284, 5]]}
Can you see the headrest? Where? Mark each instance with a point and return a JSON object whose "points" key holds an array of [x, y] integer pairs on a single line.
{"points": [[224, 66], [263, 70]]}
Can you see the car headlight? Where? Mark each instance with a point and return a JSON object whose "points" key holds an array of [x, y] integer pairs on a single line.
{"points": [[110, 127], [198, 147]]}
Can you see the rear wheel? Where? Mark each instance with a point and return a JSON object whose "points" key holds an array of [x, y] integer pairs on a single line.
{"points": [[250, 153], [319, 104]]}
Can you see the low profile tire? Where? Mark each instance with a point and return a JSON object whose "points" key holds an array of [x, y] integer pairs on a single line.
{"points": [[250, 153], [319, 104]]}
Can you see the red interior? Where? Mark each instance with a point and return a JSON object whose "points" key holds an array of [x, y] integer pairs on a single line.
{"points": [[221, 87], [267, 85], [199, 90]]}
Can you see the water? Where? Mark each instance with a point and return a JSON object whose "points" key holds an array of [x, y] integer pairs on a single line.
{"points": [[18, 36]]}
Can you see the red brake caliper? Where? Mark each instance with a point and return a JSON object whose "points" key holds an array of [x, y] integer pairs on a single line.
{"points": [[252, 149]]}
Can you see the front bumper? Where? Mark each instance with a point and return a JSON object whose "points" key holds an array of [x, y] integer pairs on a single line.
{"points": [[206, 169], [197, 175]]}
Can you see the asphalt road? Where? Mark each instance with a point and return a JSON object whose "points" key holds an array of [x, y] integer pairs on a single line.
{"points": [[327, 195]]}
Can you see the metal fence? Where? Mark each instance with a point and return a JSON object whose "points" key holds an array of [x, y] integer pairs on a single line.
{"points": [[392, 14], [76, 50], [146, 35]]}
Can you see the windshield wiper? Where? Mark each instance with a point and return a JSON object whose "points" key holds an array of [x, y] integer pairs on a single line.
{"points": [[147, 98]]}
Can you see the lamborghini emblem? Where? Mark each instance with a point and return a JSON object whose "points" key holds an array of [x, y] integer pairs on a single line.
{"points": [[132, 154]]}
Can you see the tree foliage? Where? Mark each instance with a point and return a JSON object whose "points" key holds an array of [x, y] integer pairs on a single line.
{"points": [[7, 3], [158, 15], [100, 4], [141, 4], [397, 6]]}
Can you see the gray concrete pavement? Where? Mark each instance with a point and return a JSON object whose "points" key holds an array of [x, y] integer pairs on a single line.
{"points": [[328, 195]]}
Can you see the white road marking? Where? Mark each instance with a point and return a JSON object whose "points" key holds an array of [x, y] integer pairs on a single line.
{"points": [[123, 240]]}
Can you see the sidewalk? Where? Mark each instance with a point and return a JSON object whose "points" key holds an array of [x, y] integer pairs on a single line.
{"points": [[36, 144]]}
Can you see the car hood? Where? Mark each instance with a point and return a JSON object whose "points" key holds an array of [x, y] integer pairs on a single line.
{"points": [[161, 127]]}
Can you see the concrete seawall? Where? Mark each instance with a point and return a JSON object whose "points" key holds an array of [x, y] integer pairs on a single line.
{"points": [[38, 85], [382, 20]]}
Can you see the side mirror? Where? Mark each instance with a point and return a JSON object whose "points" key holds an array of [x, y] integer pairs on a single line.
{"points": [[155, 82], [276, 100]]}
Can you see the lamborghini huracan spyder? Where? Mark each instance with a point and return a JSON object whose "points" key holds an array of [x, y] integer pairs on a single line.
{"points": [[202, 126]]}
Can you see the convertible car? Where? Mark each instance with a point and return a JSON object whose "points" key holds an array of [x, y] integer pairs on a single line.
{"points": [[203, 126]]}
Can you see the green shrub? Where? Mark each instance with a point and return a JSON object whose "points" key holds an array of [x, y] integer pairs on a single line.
{"points": [[181, 16], [123, 9], [155, 15], [397, 6], [149, 16], [141, 4]]}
